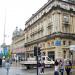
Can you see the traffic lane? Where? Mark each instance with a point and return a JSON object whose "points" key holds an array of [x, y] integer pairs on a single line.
{"points": [[16, 71], [20, 71]]}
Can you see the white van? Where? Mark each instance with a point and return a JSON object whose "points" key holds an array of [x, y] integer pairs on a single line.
{"points": [[48, 61]]}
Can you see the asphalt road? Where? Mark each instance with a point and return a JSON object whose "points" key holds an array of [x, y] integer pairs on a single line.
{"points": [[17, 69], [20, 71]]}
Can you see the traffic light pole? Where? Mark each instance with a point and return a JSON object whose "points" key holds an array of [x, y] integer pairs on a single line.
{"points": [[37, 53], [37, 61], [37, 65]]}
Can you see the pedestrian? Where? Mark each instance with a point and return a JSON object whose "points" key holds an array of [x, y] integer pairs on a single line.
{"points": [[0, 62], [39, 67], [61, 67], [68, 67], [56, 71], [42, 66], [3, 62], [7, 66]]}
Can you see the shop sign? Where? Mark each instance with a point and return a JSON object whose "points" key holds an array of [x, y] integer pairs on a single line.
{"points": [[57, 43]]}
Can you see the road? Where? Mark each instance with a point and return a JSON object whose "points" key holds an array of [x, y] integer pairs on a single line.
{"points": [[20, 71]]}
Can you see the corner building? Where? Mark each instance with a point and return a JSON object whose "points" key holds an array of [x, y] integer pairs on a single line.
{"points": [[52, 28]]}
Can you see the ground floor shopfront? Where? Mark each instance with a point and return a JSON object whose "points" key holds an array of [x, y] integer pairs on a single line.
{"points": [[53, 53], [55, 46]]}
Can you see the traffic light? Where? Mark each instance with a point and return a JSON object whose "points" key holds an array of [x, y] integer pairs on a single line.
{"points": [[37, 51]]}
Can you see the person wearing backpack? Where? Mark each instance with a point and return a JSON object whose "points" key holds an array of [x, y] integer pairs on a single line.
{"points": [[68, 67]]}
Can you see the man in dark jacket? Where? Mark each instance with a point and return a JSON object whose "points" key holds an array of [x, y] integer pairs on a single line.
{"points": [[68, 67], [0, 62]]}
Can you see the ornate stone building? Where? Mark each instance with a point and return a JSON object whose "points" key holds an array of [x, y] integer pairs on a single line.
{"points": [[18, 41], [52, 28]]}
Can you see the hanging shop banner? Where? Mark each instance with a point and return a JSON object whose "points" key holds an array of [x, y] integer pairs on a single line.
{"points": [[57, 42], [5, 52]]}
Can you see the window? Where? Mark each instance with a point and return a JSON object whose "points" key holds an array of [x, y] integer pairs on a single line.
{"points": [[66, 19], [64, 42], [69, 42], [49, 59], [48, 44], [43, 53], [49, 28], [27, 55], [31, 55], [52, 43], [51, 55]]}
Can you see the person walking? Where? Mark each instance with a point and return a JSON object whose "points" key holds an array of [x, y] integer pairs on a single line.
{"points": [[0, 62], [68, 67], [56, 71], [61, 67], [42, 67], [39, 67], [3, 62], [7, 66]]}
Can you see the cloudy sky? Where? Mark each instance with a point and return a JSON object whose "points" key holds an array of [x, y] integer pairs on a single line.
{"points": [[16, 12]]}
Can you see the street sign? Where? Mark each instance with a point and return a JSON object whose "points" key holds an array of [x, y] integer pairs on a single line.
{"points": [[72, 47]]}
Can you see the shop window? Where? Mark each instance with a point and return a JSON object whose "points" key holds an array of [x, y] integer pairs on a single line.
{"points": [[51, 55]]}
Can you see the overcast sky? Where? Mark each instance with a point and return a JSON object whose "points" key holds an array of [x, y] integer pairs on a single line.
{"points": [[17, 13]]}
